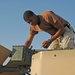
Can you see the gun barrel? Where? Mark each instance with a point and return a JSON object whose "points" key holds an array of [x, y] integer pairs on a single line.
{"points": [[8, 69]]}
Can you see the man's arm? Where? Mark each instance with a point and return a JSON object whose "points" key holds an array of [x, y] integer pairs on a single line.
{"points": [[29, 40], [60, 30]]}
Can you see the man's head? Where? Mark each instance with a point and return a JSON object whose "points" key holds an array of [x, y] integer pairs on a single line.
{"points": [[30, 17], [27, 14]]}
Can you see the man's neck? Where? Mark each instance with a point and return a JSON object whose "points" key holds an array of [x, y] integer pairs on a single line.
{"points": [[38, 20]]}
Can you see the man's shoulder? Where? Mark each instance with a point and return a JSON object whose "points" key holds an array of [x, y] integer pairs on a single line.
{"points": [[34, 28], [46, 12], [46, 16]]}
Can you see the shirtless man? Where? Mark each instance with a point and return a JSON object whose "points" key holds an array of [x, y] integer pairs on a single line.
{"points": [[62, 34]]}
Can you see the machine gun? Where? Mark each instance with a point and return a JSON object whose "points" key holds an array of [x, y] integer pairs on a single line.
{"points": [[21, 58]]}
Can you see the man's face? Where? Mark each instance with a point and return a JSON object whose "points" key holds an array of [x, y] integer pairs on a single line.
{"points": [[32, 20]]}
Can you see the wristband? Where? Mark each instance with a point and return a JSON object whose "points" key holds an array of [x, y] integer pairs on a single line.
{"points": [[49, 41]]}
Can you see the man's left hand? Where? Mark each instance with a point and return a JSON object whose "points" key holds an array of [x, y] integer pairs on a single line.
{"points": [[46, 44]]}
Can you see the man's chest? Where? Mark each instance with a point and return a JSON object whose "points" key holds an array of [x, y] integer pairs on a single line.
{"points": [[46, 27]]}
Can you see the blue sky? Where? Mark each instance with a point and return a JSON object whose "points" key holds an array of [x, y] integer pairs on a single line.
{"points": [[14, 30]]}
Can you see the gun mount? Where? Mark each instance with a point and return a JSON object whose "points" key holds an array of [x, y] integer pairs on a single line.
{"points": [[21, 58]]}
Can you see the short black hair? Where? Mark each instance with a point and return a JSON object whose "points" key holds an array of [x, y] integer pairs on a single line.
{"points": [[27, 14]]}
